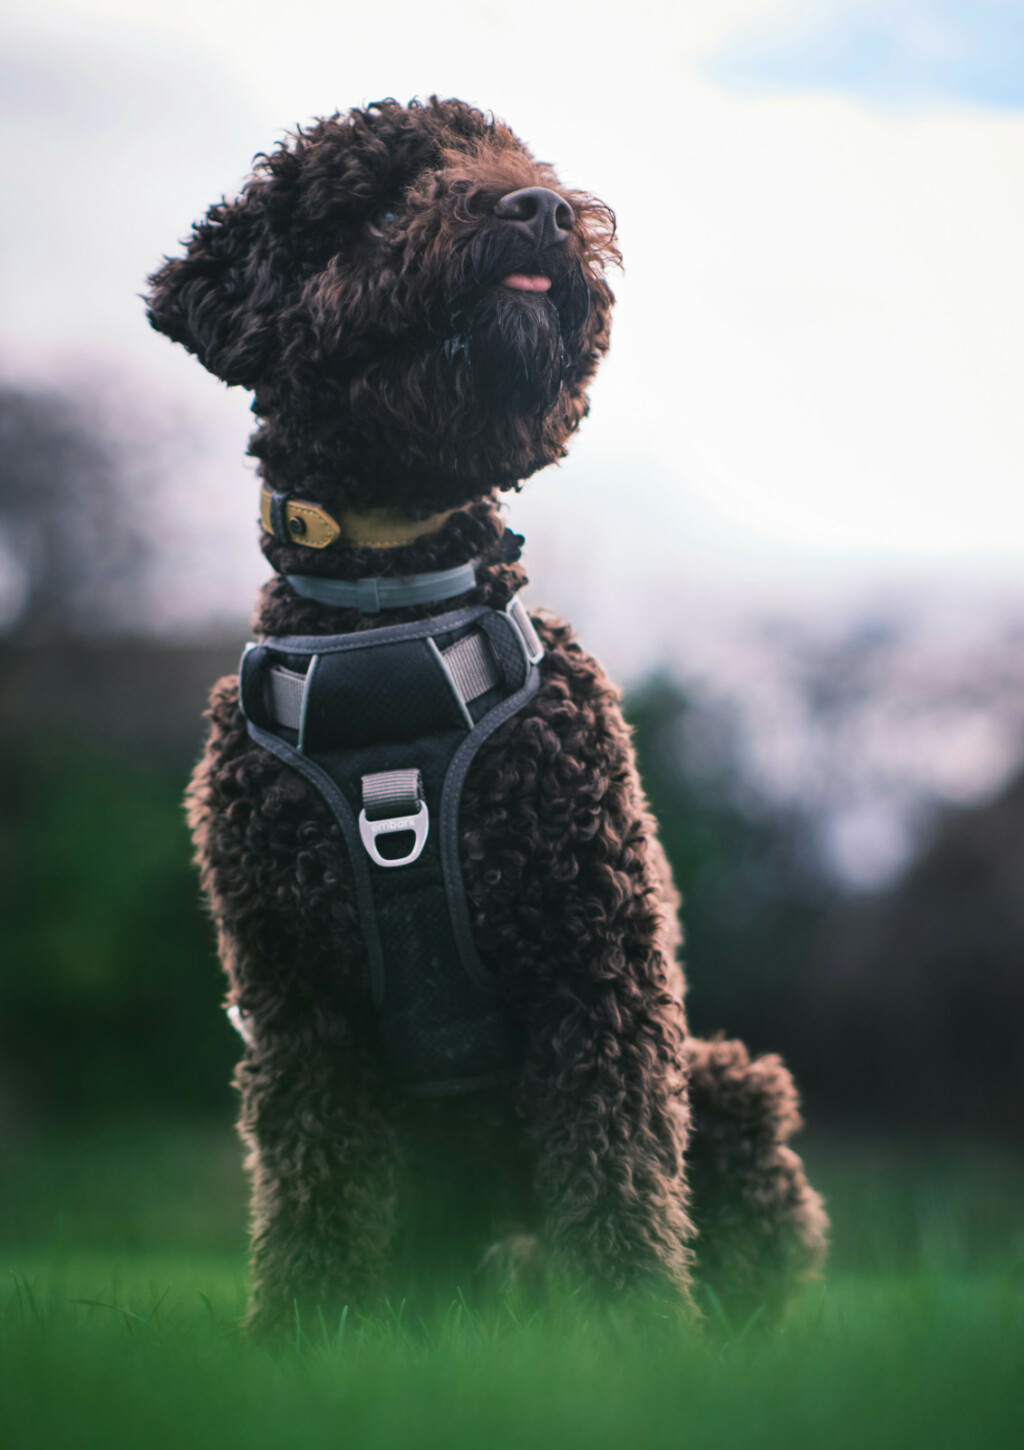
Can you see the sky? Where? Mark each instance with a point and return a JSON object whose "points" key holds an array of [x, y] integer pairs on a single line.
{"points": [[814, 388]]}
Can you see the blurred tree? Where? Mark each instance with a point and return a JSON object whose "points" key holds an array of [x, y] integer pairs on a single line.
{"points": [[752, 894], [72, 561], [899, 1007], [110, 987], [919, 992]]}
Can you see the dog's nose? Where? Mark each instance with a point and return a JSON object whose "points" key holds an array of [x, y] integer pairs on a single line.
{"points": [[542, 215]]}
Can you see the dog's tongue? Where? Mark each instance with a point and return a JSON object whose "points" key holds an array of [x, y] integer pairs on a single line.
{"points": [[524, 283]]}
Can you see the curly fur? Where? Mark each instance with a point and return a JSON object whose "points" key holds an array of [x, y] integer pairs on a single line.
{"points": [[354, 287]]}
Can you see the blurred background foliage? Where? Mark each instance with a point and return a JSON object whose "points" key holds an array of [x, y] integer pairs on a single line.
{"points": [[896, 996]]}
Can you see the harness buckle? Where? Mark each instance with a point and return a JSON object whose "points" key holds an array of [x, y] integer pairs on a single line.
{"points": [[530, 640], [393, 788]]}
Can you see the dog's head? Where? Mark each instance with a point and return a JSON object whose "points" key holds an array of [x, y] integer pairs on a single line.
{"points": [[416, 302]]}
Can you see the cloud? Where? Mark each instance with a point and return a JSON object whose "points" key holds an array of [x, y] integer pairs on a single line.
{"points": [[815, 362], [112, 140], [918, 52]]}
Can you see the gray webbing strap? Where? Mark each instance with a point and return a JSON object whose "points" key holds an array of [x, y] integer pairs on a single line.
{"points": [[393, 806], [376, 593], [532, 643], [286, 688], [470, 665], [392, 793]]}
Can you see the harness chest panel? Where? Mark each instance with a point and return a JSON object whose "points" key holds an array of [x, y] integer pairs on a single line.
{"points": [[385, 724]]}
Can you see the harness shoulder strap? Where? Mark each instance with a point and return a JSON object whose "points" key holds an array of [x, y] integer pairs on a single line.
{"points": [[385, 724]]}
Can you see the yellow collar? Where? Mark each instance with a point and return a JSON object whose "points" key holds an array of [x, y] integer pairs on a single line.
{"points": [[312, 526]]}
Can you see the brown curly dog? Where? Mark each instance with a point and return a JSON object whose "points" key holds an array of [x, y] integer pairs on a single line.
{"points": [[418, 307]]}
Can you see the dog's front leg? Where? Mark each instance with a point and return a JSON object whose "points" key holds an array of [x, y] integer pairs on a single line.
{"points": [[575, 909], [607, 1100], [322, 1158]]}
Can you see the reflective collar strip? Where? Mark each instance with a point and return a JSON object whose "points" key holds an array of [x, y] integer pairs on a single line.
{"points": [[371, 595]]}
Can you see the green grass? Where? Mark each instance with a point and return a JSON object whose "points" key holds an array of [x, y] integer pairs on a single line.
{"points": [[122, 1276]]}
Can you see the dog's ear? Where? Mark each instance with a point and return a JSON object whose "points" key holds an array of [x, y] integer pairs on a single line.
{"points": [[221, 299]]}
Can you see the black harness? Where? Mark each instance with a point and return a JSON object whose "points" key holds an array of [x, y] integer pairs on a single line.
{"points": [[385, 724]]}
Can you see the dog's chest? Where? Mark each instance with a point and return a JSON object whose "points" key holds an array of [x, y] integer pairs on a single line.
{"points": [[385, 726]]}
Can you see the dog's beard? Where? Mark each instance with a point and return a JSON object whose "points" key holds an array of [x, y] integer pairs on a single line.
{"points": [[512, 347], [469, 393]]}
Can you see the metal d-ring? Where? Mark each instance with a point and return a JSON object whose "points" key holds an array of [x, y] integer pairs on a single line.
{"points": [[419, 824]]}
